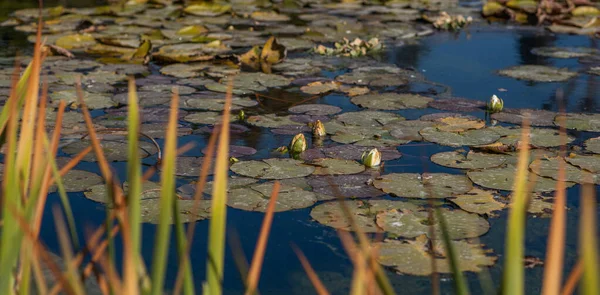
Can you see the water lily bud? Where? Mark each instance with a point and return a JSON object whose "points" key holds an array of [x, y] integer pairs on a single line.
{"points": [[318, 129], [298, 144], [233, 160], [241, 116], [495, 105], [371, 158]]}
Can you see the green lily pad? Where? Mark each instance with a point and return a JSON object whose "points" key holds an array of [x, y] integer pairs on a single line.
{"points": [[392, 101], [534, 117], [315, 109], [256, 198], [207, 9], [593, 145], [581, 122], [538, 73], [329, 166], [191, 166], [378, 77], [98, 193], [414, 257], [273, 168], [78, 181], [472, 160], [92, 100], [565, 52], [468, 138], [410, 221], [537, 136], [114, 149], [368, 118], [504, 179], [150, 210], [255, 82], [271, 121], [217, 104], [541, 205], [588, 163], [269, 16], [190, 52], [363, 213], [96, 77], [320, 87], [75, 41], [210, 118], [428, 185], [478, 201], [408, 130], [549, 168], [364, 136]]}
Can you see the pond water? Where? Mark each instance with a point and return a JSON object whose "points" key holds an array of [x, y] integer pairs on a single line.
{"points": [[461, 64]]}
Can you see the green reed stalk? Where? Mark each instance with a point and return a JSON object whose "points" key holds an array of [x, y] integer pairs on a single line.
{"points": [[183, 254], [588, 241], [167, 197], [216, 238], [460, 283], [513, 276]]}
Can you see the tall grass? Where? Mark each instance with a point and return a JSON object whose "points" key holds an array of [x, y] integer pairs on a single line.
{"points": [[30, 170]]}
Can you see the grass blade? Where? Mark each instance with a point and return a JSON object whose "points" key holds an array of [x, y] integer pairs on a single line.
{"points": [[261, 244], [513, 276], [460, 283], [573, 278], [167, 197], [184, 258], [216, 238], [588, 241]]}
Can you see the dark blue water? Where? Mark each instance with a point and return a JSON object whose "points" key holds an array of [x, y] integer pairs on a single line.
{"points": [[466, 62]]}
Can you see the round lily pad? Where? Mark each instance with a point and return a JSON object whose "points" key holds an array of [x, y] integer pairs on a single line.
{"points": [[319, 87], [315, 109], [408, 130], [92, 100], [252, 82], [207, 9], [329, 166], [589, 163], [410, 221], [392, 101], [209, 118], [468, 138], [150, 210], [458, 124], [98, 193], [593, 145], [457, 104], [191, 166], [78, 181], [538, 137], [504, 178], [534, 117], [549, 168], [363, 213], [478, 201], [269, 16], [364, 136], [348, 152], [344, 186], [428, 185], [368, 118], [538, 73], [217, 104], [377, 77], [272, 168], [581, 122], [189, 52], [472, 160], [414, 257], [271, 121], [75, 41], [564, 52], [114, 149], [256, 198], [145, 98]]}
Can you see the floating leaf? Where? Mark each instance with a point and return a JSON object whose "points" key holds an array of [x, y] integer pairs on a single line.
{"points": [[565, 52], [271, 121], [75, 41], [150, 210], [492, 8], [504, 178], [92, 100], [407, 130], [190, 52], [256, 198], [411, 221], [458, 124], [114, 149], [534, 117], [472, 160], [367, 118], [414, 257], [478, 201], [207, 9], [319, 87], [272, 168], [538, 73], [549, 168], [269, 16], [538, 137], [343, 186], [79, 180], [581, 122], [315, 109], [272, 52], [588, 163], [593, 145], [328, 166], [348, 152], [585, 11], [428, 185], [217, 104], [392, 101], [468, 138], [457, 104], [363, 213]]}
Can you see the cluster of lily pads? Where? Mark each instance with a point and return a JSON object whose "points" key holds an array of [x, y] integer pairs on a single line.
{"points": [[573, 17], [203, 48]]}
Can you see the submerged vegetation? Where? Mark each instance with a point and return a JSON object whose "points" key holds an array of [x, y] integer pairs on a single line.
{"points": [[62, 110]]}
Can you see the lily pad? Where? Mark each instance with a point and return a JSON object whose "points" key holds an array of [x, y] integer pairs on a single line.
{"points": [[504, 178], [427, 185], [392, 101], [209, 118], [363, 213], [75, 41], [468, 138], [329, 166], [315, 109], [538, 73], [114, 149], [472, 160], [411, 221], [408, 130], [190, 52], [593, 145], [457, 104], [273, 168], [537, 136], [217, 104], [92, 100], [191, 166], [207, 9], [479, 201], [348, 152], [534, 117], [588, 163], [256, 198], [150, 210], [565, 52], [78, 181], [343, 186], [98, 193], [414, 257], [549, 168], [581, 122], [378, 77], [269, 16], [319, 87], [368, 118], [237, 151], [248, 83]]}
